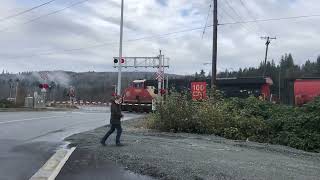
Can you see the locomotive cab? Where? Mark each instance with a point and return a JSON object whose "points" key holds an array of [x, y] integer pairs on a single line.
{"points": [[138, 84]]}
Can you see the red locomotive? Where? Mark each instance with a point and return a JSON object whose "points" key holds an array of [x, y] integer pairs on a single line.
{"points": [[138, 97]]}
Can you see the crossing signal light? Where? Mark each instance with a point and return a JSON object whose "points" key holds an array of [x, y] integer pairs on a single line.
{"points": [[115, 60], [43, 86]]}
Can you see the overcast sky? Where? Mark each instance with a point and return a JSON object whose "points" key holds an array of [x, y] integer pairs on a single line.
{"points": [[96, 22]]}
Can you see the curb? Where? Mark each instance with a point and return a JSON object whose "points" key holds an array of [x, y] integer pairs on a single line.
{"points": [[33, 110], [53, 166]]}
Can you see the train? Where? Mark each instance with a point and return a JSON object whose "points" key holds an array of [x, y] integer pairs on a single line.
{"points": [[141, 94], [306, 90]]}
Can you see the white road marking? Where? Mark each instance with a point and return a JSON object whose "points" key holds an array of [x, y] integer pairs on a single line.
{"points": [[51, 169], [31, 119]]}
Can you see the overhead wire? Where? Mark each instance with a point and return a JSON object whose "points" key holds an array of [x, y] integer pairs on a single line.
{"points": [[25, 11], [154, 36], [271, 19], [238, 15], [168, 34], [48, 14], [233, 18], [110, 43], [253, 17], [206, 23]]}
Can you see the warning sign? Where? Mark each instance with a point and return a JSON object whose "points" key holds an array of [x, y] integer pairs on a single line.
{"points": [[198, 90]]}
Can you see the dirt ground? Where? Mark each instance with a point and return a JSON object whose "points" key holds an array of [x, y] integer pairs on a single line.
{"points": [[189, 156]]}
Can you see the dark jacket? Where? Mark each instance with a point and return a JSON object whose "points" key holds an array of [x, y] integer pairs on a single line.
{"points": [[116, 114]]}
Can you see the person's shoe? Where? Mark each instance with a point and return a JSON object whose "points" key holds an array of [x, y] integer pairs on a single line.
{"points": [[119, 144], [102, 143]]}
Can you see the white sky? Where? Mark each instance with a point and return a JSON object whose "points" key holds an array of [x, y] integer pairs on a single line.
{"points": [[97, 22]]}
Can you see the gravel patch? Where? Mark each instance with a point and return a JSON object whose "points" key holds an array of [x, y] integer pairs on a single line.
{"points": [[190, 156]]}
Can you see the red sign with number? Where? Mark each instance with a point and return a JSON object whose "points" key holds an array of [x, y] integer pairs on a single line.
{"points": [[199, 90]]}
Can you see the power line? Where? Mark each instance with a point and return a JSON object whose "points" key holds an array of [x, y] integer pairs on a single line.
{"points": [[231, 17], [165, 34], [206, 23], [271, 19], [48, 14], [252, 16], [236, 13], [26, 11], [110, 43]]}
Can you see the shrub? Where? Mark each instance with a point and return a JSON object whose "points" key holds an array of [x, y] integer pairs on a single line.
{"points": [[241, 119], [6, 104]]}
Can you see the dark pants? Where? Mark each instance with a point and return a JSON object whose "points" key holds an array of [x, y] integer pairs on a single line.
{"points": [[113, 127]]}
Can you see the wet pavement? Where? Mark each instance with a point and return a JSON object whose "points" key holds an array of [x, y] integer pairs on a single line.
{"points": [[28, 139], [84, 165]]}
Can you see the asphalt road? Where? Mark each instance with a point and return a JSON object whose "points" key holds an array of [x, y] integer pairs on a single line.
{"points": [[28, 139]]}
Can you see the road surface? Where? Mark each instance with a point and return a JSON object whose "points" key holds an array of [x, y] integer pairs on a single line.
{"points": [[28, 139]]}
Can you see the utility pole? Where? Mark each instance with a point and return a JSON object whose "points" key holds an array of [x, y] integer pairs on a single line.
{"points": [[159, 72], [279, 83], [120, 51], [214, 44], [10, 88], [17, 88], [266, 55]]}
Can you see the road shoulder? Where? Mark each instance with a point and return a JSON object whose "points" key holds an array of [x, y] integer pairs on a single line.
{"points": [[190, 156]]}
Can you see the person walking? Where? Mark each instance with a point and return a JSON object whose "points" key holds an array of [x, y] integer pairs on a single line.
{"points": [[115, 122]]}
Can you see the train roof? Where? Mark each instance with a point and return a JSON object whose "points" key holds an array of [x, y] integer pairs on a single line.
{"points": [[244, 80], [222, 81], [139, 81], [308, 78]]}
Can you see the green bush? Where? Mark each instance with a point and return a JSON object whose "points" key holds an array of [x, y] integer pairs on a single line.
{"points": [[6, 104], [241, 119]]}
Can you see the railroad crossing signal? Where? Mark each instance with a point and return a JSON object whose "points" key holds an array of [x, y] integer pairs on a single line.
{"points": [[72, 92], [44, 75], [159, 75], [145, 62], [138, 62], [43, 86], [115, 60]]}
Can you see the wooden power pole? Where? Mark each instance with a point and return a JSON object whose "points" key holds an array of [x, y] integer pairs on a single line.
{"points": [[266, 55], [215, 44]]}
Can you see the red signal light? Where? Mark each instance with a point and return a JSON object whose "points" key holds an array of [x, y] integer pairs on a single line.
{"points": [[46, 86], [122, 61]]}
